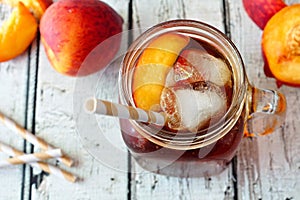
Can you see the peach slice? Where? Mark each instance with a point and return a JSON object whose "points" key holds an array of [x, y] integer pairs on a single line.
{"points": [[281, 45], [17, 33], [164, 49], [152, 68], [37, 7]]}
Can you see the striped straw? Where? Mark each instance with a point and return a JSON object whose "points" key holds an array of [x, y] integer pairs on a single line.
{"points": [[29, 158], [121, 111], [36, 141], [41, 165]]}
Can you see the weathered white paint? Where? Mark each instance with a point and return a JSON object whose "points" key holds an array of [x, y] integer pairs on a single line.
{"points": [[13, 89], [268, 167], [146, 15]]}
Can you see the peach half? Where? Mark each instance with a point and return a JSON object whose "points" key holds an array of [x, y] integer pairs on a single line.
{"points": [[152, 68], [37, 7], [281, 45], [17, 33]]}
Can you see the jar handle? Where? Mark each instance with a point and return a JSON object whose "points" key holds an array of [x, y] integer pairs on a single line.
{"points": [[267, 109]]}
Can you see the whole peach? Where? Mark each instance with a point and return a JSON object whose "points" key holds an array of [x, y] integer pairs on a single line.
{"points": [[71, 29], [261, 11]]}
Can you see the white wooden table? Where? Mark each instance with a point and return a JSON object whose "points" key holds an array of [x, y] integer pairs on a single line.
{"points": [[41, 100]]}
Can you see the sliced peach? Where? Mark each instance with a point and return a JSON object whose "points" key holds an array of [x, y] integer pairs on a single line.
{"points": [[154, 74], [281, 45], [148, 84], [37, 7], [17, 33], [152, 68], [148, 97], [164, 49]]}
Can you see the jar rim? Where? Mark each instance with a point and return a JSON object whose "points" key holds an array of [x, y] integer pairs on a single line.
{"points": [[240, 85]]}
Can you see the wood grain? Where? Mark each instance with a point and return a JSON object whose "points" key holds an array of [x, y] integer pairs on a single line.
{"points": [[56, 123], [14, 90], [146, 15], [42, 100]]}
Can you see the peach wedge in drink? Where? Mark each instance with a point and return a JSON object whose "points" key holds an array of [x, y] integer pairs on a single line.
{"points": [[152, 68]]}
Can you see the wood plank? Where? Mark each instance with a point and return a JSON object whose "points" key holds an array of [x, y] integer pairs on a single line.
{"points": [[151, 186], [13, 90], [30, 180], [268, 166], [13, 76], [146, 15], [56, 123]]}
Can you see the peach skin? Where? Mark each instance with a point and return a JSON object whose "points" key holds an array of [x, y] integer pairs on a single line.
{"points": [[261, 11], [72, 29]]}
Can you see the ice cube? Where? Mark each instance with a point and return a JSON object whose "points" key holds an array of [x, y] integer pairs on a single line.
{"points": [[211, 68], [191, 109], [182, 73], [170, 79], [196, 108], [185, 72]]}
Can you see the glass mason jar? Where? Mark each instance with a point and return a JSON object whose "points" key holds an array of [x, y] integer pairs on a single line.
{"points": [[206, 152]]}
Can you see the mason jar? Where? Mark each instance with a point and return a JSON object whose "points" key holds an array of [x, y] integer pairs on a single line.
{"points": [[206, 152]]}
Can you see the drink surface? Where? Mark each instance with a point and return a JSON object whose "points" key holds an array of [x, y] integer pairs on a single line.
{"points": [[191, 82]]}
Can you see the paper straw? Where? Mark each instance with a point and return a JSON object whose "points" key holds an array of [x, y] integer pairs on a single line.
{"points": [[41, 165], [29, 158], [102, 107], [36, 141]]}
